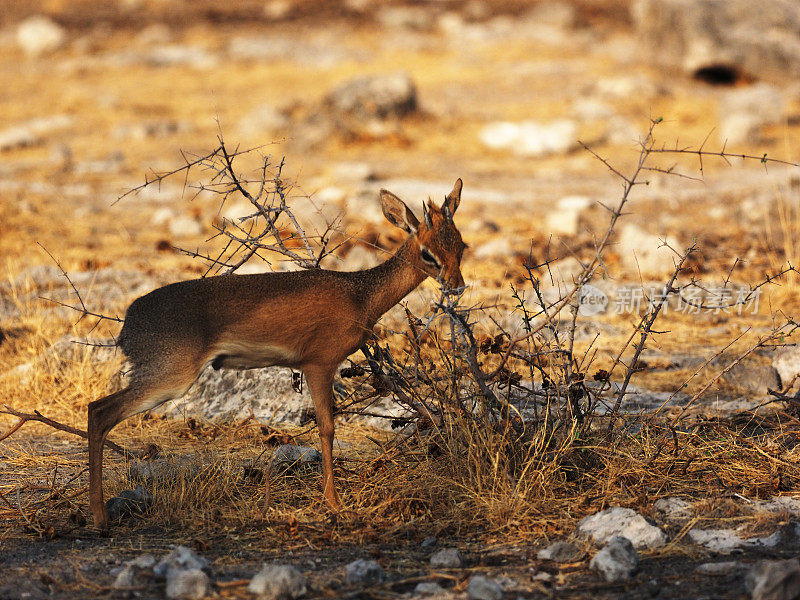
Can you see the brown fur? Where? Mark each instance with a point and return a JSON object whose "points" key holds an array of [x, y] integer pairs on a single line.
{"points": [[310, 320]]}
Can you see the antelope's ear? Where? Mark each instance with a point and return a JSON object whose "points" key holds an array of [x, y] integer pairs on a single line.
{"points": [[453, 199], [397, 213]]}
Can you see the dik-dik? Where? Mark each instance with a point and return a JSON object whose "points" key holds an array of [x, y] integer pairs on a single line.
{"points": [[308, 320]]}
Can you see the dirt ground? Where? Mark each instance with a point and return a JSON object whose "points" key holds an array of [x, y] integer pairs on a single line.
{"points": [[137, 83]]}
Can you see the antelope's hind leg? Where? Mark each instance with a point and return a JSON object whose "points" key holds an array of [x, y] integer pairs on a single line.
{"points": [[144, 393]]}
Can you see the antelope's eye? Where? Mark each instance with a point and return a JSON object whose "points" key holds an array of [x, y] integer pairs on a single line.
{"points": [[427, 257]]}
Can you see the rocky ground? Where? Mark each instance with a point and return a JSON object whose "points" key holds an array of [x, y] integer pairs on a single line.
{"points": [[359, 96]]}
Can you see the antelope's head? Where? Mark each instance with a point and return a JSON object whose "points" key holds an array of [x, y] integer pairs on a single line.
{"points": [[438, 245]]}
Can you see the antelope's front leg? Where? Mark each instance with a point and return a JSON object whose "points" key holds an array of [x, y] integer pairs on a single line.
{"points": [[320, 381]]}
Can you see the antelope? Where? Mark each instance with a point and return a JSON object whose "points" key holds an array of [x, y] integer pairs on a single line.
{"points": [[309, 320]]}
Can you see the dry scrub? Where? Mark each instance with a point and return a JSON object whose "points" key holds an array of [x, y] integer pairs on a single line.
{"points": [[468, 462]]}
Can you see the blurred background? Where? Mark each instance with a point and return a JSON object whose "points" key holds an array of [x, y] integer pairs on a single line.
{"points": [[359, 95]]}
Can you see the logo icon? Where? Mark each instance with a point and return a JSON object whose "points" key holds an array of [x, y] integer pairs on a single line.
{"points": [[591, 301]]}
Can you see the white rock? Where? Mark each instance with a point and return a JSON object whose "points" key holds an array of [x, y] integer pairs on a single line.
{"points": [[560, 552], [381, 413], [591, 109], [17, 137], [625, 522], [359, 258], [498, 248], [364, 572], [330, 195], [234, 211], [733, 37], [289, 455], [39, 35], [644, 252], [180, 559], [145, 561], [781, 504], [774, 580], [314, 216], [744, 111], [365, 206], [125, 578], [232, 394], [727, 540], [185, 226], [278, 582], [673, 508], [529, 138], [728, 567], [157, 33], [617, 561], [183, 56], [428, 588], [277, 9], [483, 588], [373, 97], [188, 584], [405, 17], [32, 132], [787, 362], [352, 172], [162, 216], [565, 218], [169, 470], [264, 118], [447, 558], [625, 87]]}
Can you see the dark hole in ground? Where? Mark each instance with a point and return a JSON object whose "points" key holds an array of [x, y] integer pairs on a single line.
{"points": [[717, 74]]}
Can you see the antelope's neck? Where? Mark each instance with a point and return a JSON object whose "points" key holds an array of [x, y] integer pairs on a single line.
{"points": [[388, 283]]}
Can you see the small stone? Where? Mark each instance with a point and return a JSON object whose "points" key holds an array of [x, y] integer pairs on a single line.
{"points": [[145, 561], [499, 248], [673, 508], [753, 377], [185, 226], [447, 558], [352, 172], [618, 521], [128, 503], [428, 588], [618, 561], [188, 584], [728, 567], [359, 258], [39, 35], [291, 456], [647, 253], [374, 97], [774, 580], [180, 559], [529, 138], [124, 578], [278, 582], [164, 470], [781, 504], [364, 572], [176, 55], [405, 17], [429, 542], [560, 552], [483, 588], [263, 118], [565, 218], [787, 362], [744, 111]]}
